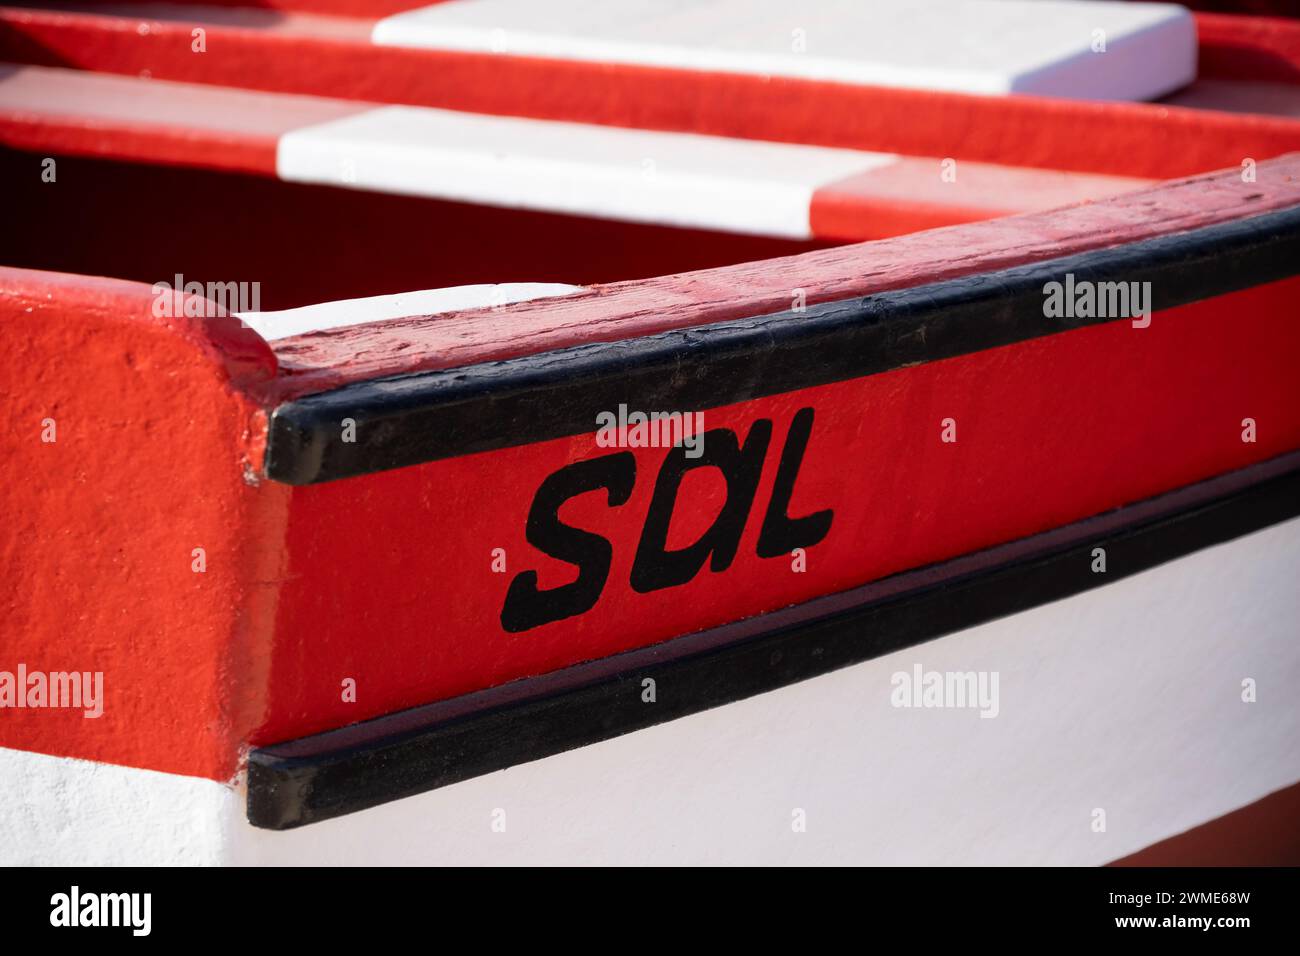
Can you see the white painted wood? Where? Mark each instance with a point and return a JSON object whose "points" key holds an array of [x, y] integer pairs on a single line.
{"points": [[677, 179], [378, 308], [1044, 47], [56, 811], [1127, 698]]}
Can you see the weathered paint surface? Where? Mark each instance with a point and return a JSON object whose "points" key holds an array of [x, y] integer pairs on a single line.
{"points": [[156, 428]]}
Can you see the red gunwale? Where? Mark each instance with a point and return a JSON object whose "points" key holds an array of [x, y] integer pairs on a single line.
{"points": [[332, 358]]}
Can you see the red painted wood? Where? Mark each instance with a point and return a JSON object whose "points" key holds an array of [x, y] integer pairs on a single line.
{"points": [[69, 112], [388, 576], [386, 579], [156, 424], [163, 146], [1260, 48], [1126, 139], [328, 359], [912, 195]]}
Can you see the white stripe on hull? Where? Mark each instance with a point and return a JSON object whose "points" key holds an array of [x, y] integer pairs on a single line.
{"points": [[1126, 699]]}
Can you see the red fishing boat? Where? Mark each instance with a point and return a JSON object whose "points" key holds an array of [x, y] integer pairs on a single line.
{"points": [[504, 432]]}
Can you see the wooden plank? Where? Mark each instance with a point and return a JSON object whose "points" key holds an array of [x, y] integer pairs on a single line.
{"points": [[674, 179]]}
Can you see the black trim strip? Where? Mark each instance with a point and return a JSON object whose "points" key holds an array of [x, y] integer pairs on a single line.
{"points": [[330, 774], [409, 419]]}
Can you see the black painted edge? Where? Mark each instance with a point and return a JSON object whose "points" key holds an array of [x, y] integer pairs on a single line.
{"points": [[411, 419], [402, 754]]}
